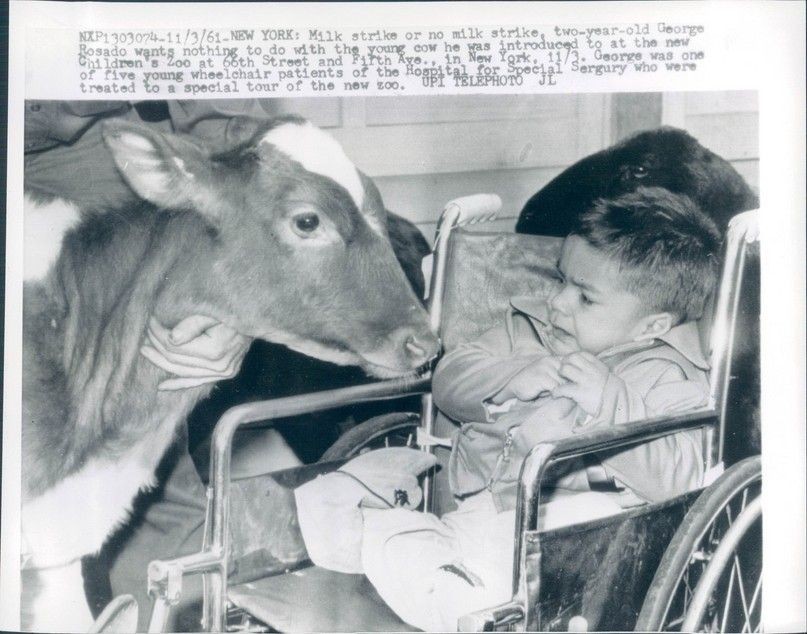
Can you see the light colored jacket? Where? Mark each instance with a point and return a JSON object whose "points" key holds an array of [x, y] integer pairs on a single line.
{"points": [[649, 378]]}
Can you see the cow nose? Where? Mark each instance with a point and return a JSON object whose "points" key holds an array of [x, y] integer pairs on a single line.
{"points": [[420, 349]]}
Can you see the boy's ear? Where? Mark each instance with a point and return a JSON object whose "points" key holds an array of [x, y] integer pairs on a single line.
{"points": [[654, 326]]}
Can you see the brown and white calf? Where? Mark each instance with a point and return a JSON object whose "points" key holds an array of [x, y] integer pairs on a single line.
{"points": [[281, 238]]}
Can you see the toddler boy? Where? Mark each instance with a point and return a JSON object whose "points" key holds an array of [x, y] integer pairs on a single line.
{"points": [[615, 341]]}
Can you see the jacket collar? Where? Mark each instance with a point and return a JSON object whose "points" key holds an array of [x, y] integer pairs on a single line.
{"points": [[684, 337]]}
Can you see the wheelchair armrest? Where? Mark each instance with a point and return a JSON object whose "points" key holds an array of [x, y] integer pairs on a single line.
{"points": [[217, 538], [312, 402], [527, 547], [543, 455]]}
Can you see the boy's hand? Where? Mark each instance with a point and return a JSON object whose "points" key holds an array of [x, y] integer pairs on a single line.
{"points": [[586, 376], [198, 350], [532, 381]]}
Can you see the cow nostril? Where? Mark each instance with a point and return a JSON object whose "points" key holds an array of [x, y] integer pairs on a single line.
{"points": [[413, 348], [420, 349]]}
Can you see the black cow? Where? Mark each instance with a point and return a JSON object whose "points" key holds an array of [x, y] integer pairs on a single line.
{"points": [[665, 157]]}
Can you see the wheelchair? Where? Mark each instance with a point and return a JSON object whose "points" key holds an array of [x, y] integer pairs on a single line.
{"points": [[692, 563]]}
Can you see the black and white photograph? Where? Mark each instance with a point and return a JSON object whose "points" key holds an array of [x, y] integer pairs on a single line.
{"points": [[452, 360]]}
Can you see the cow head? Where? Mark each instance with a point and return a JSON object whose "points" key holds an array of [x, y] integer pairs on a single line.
{"points": [[298, 251], [665, 157]]}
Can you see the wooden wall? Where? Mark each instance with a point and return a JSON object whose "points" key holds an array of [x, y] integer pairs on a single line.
{"points": [[725, 122], [423, 151]]}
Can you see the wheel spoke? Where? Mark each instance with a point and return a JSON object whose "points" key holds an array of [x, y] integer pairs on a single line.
{"points": [[757, 593], [687, 591], [728, 601], [741, 586]]}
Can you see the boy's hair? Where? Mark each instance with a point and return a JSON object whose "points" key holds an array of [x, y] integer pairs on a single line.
{"points": [[667, 248]]}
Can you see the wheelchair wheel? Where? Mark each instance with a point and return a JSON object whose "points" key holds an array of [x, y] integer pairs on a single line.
{"points": [[389, 430], [710, 578]]}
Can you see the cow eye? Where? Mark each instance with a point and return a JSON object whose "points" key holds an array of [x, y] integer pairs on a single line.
{"points": [[305, 224], [639, 171]]}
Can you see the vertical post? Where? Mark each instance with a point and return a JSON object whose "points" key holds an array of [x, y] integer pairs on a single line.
{"points": [[215, 599]]}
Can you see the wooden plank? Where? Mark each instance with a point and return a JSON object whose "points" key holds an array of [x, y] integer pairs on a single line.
{"points": [[325, 112], [593, 123], [450, 108], [633, 112], [749, 170], [461, 147], [732, 135], [354, 112], [715, 102], [673, 109], [422, 198]]}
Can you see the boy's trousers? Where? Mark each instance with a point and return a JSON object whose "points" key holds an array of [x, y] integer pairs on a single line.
{"points": [[432, 570]]}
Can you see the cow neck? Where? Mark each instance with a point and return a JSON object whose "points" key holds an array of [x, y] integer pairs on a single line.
{"points": [[108, 309]]}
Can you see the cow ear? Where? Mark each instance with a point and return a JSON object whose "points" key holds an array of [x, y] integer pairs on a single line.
{"points": [[241, 129], [166, 169], [373, 206]]}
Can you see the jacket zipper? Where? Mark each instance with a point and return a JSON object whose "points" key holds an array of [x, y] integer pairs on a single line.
{"points": [[504, 456]]}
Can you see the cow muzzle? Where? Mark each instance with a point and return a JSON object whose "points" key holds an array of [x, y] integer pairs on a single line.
{"points": [[407, 350]]}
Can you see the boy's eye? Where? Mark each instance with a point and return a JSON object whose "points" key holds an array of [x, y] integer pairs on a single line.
{"points": [[586, 299]]}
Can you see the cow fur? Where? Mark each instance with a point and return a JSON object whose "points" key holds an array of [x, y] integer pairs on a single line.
{"points": [[217, 238], [664, 157]]}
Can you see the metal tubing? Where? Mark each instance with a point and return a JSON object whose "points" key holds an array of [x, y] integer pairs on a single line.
{"points": [[165, 582], [723, 333], [221, 455], [446, 223], [159, 615], [489, 619], [543, 455], [427, 423]]}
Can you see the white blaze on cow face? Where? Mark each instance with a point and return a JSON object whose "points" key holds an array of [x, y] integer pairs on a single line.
{"points": [[44, 227], [319, 153]]}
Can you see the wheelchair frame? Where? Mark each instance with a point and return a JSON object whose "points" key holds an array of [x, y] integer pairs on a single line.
{"points": [[165, 577]]}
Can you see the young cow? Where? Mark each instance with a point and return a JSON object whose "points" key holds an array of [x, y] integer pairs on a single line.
{"points": [[281, 238]]}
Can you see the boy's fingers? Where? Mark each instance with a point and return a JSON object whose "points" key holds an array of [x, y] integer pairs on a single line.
{"points": [[505, 394], [571, 372], [581, 359], [566, 390]]}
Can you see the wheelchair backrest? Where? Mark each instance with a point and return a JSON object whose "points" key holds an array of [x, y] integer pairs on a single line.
{"points": [[740, 409], [483, 271]]}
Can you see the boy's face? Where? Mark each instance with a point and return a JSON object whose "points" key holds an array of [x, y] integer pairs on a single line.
{"points": [[589, 310]]}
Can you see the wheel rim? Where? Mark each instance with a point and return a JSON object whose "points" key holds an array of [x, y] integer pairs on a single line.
{"points": [[726, 558], [727, 597]]}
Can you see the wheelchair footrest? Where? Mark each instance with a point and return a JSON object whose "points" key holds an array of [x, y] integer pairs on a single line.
{"points": [[314, 599]]}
